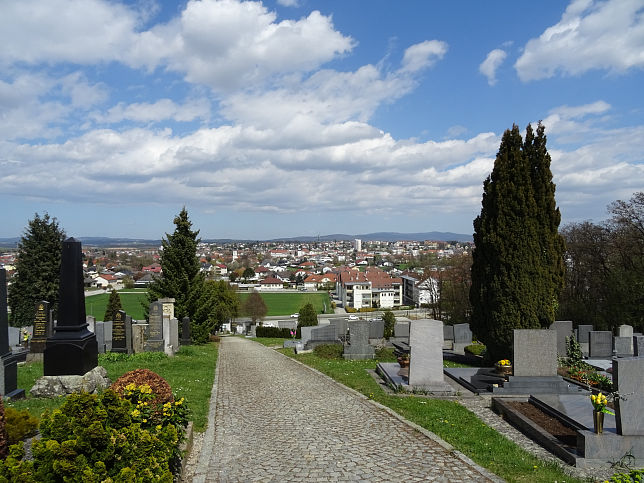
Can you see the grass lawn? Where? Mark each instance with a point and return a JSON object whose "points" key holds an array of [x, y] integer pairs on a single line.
{"points": [[190, 373], [131, 301], [446, 418], [289, 303]]}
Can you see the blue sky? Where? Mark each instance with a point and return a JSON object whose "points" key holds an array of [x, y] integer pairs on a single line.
{"points": [[301, 117]]}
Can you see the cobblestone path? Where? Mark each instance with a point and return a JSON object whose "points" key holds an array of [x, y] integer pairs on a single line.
{"points": [[277, 420]]}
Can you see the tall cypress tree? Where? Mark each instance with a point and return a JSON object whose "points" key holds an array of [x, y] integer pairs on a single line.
{"points": [[181, 278], [113, 306], [517, 262], [37, 269]]}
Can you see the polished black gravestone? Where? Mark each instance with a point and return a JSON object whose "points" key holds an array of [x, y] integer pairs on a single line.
{"points": [[72, 350], [43, 327], [9, 361], [119, 339], [185, 331]]}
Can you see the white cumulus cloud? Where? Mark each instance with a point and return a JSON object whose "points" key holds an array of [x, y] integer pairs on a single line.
{"points": [[607, 35], [491, 63]]}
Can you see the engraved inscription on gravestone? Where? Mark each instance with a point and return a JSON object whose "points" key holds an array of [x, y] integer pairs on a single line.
{"points": [[155, 328], [119, 343], [42, 327]]}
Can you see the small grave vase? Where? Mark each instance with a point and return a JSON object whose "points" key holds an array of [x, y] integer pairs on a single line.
{"points": [[503, 370], [598, 422], [403, 362]]}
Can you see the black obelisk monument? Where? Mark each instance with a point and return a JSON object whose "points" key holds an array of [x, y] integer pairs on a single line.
{"points": [[8, 361], [72, 350]]}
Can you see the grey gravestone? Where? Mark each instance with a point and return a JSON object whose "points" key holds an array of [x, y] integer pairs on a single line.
{"points": [[168, 306], [324, 333], [376, 329], [638, 345], [358, 348], [582, 338], [341, 326], [462, 333], [600, 344], [8, 361], [563, 328], [72, 349], [625, 331], [99, 332], [462, 337], [138, 337], [401, 329], [174, 333], [426, 356], [128, 334], [154, 342], [14, 336], [119, 339], [535, 365], [628, 379], [448, 332], [623, 346], [306, 334], [535, 352], [43, 327], [108, 326], [185, 331], [253, 330]]}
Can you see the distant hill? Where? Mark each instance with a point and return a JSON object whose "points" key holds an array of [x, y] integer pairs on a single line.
{"points": [[380, 236]]}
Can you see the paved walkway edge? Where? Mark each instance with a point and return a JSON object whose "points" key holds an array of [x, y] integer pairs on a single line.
{"points": [[484, 472], [209, 438]]}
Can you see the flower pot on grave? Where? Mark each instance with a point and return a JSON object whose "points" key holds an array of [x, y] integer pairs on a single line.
{"points": [[503, 370], [598, 422], [403, 362]]}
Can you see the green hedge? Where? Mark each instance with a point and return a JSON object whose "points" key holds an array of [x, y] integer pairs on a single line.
{"points": [[272, 332]]}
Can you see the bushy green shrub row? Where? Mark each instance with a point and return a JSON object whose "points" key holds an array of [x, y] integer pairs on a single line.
{"points": [[272, 332], [106, 437], [633, 476], [476, 349], [19, 424]]}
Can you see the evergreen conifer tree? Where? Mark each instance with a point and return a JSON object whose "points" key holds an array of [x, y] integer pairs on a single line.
{"points": [[181, 278], [306, 317], [113, 306], [37, 269], [517, 269]]}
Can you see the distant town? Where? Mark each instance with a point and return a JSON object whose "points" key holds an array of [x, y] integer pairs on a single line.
{"points": [[374, 274]]}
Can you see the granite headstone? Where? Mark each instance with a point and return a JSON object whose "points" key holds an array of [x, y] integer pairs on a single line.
{"points": [[563, 328], [401, 329], [154, 342], [43, 327], [119, 340], [72, 349], [99, 332], [535, 352], [8, 361], [426, 356], [600, 344], [376, 329], [358, 347], [628, 380], [623, 346], [185, 331], [638, 345]]}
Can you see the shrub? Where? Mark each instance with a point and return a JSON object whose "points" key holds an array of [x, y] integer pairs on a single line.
{"points": [[351, 310], [20, 425], [385, 354], [4, 446], [329, 351], [139, 377], [476, 349], [573, 351], [272, 332], [633, 476], [94, 438]]}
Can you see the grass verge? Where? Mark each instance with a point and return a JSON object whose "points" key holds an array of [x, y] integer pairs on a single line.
{"points": [[288, 303], [446, 418], [132, 302], [190, 373]]}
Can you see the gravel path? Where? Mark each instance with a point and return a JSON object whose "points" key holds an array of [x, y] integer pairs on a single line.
{"points": [[278, 420]]}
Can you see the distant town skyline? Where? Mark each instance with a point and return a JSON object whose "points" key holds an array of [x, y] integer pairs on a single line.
{"points": [[297, 117]]}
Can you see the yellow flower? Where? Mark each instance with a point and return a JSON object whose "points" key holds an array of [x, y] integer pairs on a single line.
{"points": [[136, 413], [145, 420], [159, 427]]}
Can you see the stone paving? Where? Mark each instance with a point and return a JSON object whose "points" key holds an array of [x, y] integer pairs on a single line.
{"points": [[278, 420]]}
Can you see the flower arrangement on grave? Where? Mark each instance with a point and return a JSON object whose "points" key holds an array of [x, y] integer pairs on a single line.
{"points": [[504, 362], [504, 367], [600, 402], [293, 332]]}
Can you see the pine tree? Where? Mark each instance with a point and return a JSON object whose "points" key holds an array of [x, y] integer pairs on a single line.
{"points": [[113, 306], [517, 269], [217, 304], [181, 278], [37, 269], [390, 321]]}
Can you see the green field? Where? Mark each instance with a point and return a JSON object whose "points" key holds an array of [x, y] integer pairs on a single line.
{"points": [[131, 300], [289, 302]]}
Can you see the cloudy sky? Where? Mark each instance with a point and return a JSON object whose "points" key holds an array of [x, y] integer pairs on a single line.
{"points": [[303, 117]]}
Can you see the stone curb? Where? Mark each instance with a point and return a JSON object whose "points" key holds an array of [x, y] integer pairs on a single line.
{"points": [[420, 429], [209, 436]]}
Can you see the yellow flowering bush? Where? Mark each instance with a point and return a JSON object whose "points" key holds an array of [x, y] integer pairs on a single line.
{"points": [[599, 402]]}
